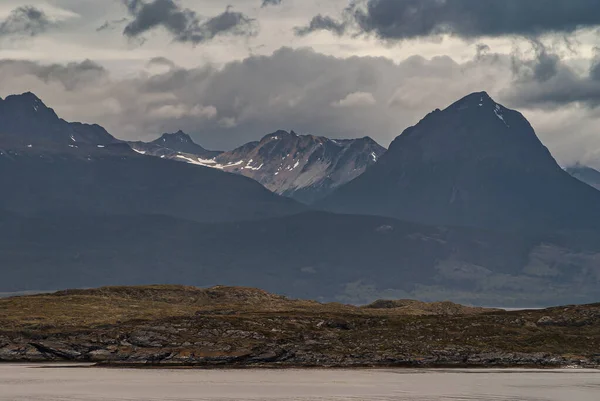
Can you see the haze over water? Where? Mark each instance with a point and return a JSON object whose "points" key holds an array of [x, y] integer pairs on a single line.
{"points": [[28, 382]]}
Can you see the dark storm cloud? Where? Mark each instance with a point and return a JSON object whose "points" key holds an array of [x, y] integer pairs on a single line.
{"points": [[541, 68], [242, 101], [267, 3], [184, 24], [548, 81], [25, 21], [410, 19], [322, 23]]}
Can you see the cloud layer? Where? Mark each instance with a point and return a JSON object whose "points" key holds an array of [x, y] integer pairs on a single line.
{"points": [[267, 3], [534, 55], [410, 19], [308, 92], [183, 23]]}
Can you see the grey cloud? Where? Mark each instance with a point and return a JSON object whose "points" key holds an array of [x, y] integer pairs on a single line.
{"points": [[111, 24], [322, 23], [301, 90], [548, 81], [103, 27], [267, 3], [162, 61], [482, 50], [25, 21], [70, 76], [541, 68], [566, 87], [410, 19], [184, 24]]}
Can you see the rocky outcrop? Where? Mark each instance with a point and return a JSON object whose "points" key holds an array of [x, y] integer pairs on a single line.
{"points": [[409, 306], [293, 334]]}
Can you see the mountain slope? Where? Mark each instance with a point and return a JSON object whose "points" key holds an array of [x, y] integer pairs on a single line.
{"points": [[476, 163], [355, 259], [585, 174], [51, 165], [303, 167]]}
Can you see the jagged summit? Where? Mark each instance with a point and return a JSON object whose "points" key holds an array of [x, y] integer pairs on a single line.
{"points": [[280, 134], [27, 104], [26, 96], [177, 145], [178, 136], [481, 101], [475, 98], [305, 167]]}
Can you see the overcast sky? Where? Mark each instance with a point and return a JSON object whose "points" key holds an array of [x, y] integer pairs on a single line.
{"points": [[228, 72]]}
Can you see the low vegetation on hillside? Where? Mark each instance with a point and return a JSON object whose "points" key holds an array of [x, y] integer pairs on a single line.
{"points": [[232, 326]]}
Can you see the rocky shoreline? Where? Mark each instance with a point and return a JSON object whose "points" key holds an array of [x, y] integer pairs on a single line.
{"points": [[277, 358], [233, 328]]}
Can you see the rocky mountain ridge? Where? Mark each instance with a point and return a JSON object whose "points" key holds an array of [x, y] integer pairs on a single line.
{"points": [[303, 167], [80, 218], [176, 146], [57, 167]]}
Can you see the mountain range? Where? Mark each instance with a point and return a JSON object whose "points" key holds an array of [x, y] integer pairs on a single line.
{"points": [[303, 167], [467, 205], [52, 166]]}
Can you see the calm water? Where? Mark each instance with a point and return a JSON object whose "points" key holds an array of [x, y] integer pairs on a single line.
{"points": [[27, 382]]}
